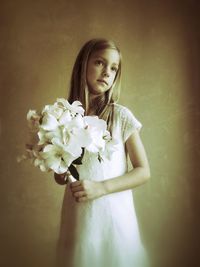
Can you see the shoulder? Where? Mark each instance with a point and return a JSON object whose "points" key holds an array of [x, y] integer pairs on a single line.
{"points": [[127, 117], [127, 120], [122, 111]]}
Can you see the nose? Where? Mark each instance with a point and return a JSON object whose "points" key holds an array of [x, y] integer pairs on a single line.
{"points": [[106, 72]]}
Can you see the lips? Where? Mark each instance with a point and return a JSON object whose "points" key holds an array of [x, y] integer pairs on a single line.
{"points": [[103, 81]]}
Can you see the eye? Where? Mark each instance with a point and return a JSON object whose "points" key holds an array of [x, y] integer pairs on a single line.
{"points": [[99, 62], [115, 69]]}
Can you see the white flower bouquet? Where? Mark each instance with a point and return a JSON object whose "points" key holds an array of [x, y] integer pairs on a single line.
{"points": [[60, 134]]}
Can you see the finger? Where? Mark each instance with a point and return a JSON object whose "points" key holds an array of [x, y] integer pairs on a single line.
{"points": [[79, 194], [74, 184], [81, 199], [77, 188]]}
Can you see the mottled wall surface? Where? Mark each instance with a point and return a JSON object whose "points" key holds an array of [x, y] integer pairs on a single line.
{"points": [[160, 46]]}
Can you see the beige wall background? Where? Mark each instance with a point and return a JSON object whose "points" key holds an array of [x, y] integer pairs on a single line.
{"points": [[159, 41]]}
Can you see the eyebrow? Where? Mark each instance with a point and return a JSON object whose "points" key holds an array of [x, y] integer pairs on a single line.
{"points": [[117, 64]]}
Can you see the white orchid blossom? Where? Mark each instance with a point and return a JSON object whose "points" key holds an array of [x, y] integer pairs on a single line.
{"points": [[57, 157], [109, 149], [54, 110], [49, 123], [97, 141], [97, 130], [65, 117], [95, 122], [75, 107], [39, 162], [79, 138], [61, 132]]}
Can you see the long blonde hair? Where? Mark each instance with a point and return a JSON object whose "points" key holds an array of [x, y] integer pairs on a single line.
{"points": [[103, 104]]}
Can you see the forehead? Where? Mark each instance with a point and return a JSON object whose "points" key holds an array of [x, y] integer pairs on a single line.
{"points": [[110, 55]]}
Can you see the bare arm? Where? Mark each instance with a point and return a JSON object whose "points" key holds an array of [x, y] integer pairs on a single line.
{"points": [[139, 175]]}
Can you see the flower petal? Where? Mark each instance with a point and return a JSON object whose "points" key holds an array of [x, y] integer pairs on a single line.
{"points": [[65, 118], [49, 123], [75, 107]]}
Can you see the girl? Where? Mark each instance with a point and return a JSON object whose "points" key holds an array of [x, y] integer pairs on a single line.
{"points": [[98, 222]]}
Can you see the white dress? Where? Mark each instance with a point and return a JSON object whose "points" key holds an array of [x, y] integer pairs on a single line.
{"points": [[103, 232]]}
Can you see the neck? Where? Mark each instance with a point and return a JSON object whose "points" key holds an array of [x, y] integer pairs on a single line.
{"points": [[93, 103]]}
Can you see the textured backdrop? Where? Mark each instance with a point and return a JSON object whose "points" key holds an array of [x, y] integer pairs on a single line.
{"points": [[159, 40]]}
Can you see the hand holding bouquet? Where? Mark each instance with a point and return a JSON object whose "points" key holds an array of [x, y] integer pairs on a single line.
{"points": [[60, 134]]}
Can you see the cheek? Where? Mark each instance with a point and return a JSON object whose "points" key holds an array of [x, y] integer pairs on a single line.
{"points": [[113, 77], [92, 72]]}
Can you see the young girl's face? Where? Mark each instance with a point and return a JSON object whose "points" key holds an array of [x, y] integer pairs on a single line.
{"points": [[102, 68]]}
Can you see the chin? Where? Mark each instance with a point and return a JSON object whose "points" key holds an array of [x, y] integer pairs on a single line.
{"points": [[98, 91]]}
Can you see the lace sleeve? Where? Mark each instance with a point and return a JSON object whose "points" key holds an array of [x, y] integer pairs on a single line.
{"points": [[129, 123]]}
